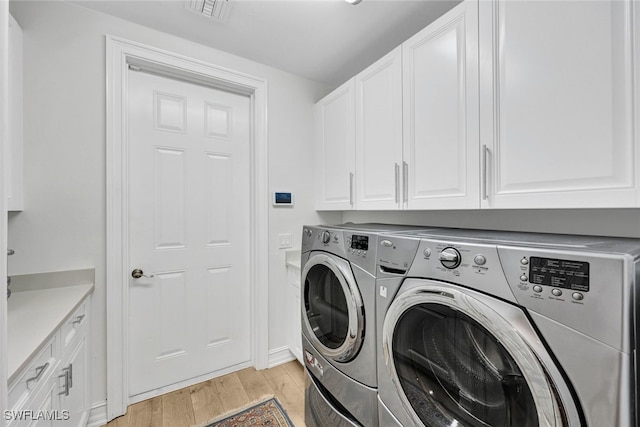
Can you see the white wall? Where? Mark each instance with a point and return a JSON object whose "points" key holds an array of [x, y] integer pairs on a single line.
{"points": [[601, 222], [63, 224]]}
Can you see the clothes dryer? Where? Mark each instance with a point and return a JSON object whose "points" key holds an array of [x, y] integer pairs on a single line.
{"points": [[338, 323], [481, 328]]}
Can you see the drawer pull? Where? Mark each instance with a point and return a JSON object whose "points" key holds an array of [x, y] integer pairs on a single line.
{"points": [[79, 319], [67, 382], [70, 375], [39, 371]]}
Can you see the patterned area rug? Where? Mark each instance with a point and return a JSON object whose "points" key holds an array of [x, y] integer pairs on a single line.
{"points": [[268, 413]]}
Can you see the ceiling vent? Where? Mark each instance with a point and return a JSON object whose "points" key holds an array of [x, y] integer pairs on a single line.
{"points": [[214, 9]]}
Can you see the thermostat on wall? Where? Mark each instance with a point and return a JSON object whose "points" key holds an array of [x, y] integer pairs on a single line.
{"points": [[282, 198]]}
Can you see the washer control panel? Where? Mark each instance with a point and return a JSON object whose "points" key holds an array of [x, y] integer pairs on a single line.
{"points": [[555, 277], [450, 258], [579, 289]]}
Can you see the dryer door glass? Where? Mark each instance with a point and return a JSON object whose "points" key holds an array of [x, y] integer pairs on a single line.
{"points": [[453, 371], [326, 306]]}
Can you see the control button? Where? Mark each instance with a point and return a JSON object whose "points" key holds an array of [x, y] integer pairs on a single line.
{"points": [[556, 292], [524, 278], [524, 261], [427, 252], [537, 288], [577, 296], [364, 253], [480, 260], [335, 238], [450, 258], [359, 252], [326, 237]]}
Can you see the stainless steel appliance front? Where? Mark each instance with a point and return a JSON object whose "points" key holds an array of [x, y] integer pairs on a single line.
{"points": [[519, 330]]}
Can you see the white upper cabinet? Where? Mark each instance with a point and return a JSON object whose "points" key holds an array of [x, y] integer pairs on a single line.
{"points": [[13, 162], [441, 130], [335, 149], [557, 104], [379, 134]]}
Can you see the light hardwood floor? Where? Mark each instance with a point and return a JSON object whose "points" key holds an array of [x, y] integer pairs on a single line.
{"points": [[204, 401]]}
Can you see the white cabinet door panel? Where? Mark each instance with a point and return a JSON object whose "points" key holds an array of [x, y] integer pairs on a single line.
{"points": [[335, 149], [440, 78], [379, 133], [14, 149], [557, 106]]}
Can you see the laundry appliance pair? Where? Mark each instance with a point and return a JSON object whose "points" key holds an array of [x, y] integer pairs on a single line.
{"points": [[471, 328]]}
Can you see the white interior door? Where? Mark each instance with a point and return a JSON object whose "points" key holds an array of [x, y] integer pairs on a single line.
{"points": [[189, 219]]}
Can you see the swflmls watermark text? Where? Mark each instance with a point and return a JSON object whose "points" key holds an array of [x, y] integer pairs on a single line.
{"points": [[29, 415]]}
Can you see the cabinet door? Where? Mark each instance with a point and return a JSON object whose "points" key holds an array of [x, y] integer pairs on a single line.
{"points": [[441, 129], [335, 149], [379, 134], [14, 167], [557, 104], [73, 386], [41, 411]]}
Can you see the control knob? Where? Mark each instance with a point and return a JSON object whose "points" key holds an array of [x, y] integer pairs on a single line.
{"points": [[450, 258], [326, 237]]}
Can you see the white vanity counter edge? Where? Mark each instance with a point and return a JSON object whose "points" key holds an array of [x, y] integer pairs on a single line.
{"points": [[34, 316]]}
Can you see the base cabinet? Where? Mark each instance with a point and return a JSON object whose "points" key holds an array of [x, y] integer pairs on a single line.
{"points": [[52, 390], [295, 316], [72, 385]]}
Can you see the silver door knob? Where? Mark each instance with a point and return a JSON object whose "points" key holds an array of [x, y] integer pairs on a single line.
{"points": [[137, 273]]}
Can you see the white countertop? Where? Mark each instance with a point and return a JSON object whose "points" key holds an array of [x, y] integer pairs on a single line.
{"points": [[292, 257], [34, 316]]}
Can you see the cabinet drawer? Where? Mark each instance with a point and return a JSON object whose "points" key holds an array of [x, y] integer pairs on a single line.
{"points": [[72, 325], [37, 372]]}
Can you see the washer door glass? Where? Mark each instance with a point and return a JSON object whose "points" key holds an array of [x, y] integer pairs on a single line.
{"points": [[326, 306], [334, 313], [453, 371]]}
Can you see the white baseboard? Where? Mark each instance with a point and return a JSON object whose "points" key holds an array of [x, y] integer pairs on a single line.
{"points": [[97, 415], [281, 355]]}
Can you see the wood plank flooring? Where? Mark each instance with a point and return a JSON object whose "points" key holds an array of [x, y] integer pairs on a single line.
{"points": [[204, 401]]}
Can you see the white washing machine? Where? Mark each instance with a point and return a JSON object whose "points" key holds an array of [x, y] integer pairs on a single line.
{"points": [[481, 328], [338, 323]]}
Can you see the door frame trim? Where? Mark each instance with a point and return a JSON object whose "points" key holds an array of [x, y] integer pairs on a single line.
{"points": [[120, 54]]}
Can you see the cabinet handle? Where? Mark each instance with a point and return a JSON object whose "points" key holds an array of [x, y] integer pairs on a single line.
{"points": [[79, 319], [67, 385], [39, 371], [351, 188], [70, 375], [485, 179], [397, 171], [405, 181]]}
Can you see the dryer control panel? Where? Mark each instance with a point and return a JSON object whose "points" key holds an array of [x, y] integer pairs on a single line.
{"points": [[581, 290], [358, 247]]}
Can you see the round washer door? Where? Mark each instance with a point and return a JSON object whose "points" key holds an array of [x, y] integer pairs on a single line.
{"points": [[333, 312], [456, 360]]}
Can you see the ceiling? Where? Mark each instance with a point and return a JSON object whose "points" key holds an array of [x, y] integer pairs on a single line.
{"points": [[323, 40]]}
